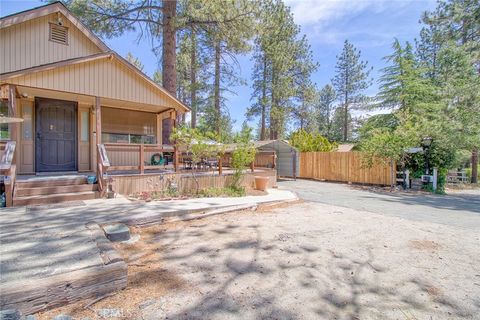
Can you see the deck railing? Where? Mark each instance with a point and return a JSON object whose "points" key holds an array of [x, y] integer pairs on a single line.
{"points": [[138, 157], [8, 171]]}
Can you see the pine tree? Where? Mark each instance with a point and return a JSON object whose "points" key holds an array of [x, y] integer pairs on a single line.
{"points": [[135, 61], [160, 20], [458, 21], [350, 81], [325, 110], [283, 62]]}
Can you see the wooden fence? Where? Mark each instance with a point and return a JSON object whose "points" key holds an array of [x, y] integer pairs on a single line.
{"points": [[342, 167]]}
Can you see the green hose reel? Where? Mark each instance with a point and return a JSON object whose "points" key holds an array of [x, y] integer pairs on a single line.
{"points": [[157, 159]]}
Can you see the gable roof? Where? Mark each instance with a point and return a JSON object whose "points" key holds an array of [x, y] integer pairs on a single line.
{"points": [[55, 7], [41, 11]]}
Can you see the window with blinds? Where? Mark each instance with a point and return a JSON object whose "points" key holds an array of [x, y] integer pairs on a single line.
{"points": [[58, 33], [128, 126]]}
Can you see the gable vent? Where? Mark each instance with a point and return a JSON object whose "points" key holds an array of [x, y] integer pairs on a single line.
{"points": [[58, 33]]}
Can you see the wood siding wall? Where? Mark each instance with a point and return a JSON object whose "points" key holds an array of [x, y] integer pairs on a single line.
{"points": [[343, 167], [130, 184], [106, 78], [26, 44]]}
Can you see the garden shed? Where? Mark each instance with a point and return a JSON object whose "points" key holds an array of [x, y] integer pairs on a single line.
{"points": [[287, 157]]}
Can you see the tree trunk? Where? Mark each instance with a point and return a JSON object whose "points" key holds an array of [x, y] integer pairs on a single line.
{"points": [[345, 123], [217, 87], [474, 178], [264, 100], [169, 73], [193, 78]]}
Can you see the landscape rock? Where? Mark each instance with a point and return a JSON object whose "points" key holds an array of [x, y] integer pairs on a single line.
{"points": [[117, 232]]}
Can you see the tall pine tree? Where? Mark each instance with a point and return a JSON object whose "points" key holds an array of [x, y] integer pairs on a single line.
{"points": [[350, 82]]}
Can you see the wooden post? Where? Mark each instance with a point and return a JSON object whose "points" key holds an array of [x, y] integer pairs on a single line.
{"points": [[142, 159], [98, 121], [173, 117], [12, 110], [98, 136], [159, 128], [252, 166], [220, 165]]}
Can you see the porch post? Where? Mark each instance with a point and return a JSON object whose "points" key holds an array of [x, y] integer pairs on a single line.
{"points": [[98, 120], [12, 109], [159, 128], [173, 116]]}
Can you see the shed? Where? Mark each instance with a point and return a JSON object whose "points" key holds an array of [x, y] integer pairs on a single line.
{"points": [[288, 162]]}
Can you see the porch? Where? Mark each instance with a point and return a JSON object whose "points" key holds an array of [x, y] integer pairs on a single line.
{"points": [[60, 135]]}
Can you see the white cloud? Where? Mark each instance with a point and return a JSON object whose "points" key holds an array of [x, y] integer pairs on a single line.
{"points": [[308, 12]]}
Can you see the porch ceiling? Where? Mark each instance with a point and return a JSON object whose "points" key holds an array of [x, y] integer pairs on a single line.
{"points": [[31, 93]]}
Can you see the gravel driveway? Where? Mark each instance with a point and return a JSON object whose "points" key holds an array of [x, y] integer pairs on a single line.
{"points": [[309, 260]]}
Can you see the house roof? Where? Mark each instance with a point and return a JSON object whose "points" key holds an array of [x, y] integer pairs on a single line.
{"points": [[41, 11], [278, 145], [345, 147]]}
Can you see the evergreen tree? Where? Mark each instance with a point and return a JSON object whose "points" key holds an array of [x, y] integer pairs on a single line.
{"points": [[350, 81], [457, 22], [325, 110], [283, 63], [337, 128], [135, 61]]}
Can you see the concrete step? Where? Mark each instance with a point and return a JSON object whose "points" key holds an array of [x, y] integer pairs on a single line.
{"points": [[54, 198], [21, 191]]}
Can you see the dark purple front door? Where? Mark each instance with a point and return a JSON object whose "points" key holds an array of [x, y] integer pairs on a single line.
{"points": [[56, 135]]}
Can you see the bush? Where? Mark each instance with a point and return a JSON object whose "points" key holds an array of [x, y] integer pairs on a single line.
{"points": [[223, 192], [304, 141], [469, 172]]}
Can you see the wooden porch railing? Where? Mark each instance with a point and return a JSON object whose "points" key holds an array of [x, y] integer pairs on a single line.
{"points": [[103, 164], [8, 171], [129, 156]]}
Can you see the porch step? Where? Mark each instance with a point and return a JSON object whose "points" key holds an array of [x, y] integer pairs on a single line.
{"points": [[53, 198], [50, 182], [21, 191], [49, 190]]}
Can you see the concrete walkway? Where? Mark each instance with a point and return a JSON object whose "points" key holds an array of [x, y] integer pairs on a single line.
{"points": [[44, 241]]}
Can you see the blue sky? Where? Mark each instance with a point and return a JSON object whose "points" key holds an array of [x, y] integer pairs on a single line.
{"points": [[371, 25]]}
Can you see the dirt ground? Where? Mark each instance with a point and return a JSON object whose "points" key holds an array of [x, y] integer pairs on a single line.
{"points": [[304, 261]]}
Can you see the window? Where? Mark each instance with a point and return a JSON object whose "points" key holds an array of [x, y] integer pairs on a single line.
{"points": [[4, 127], [85, 126], [58, 34], [127, 138], [27, 125], [128, 126]]}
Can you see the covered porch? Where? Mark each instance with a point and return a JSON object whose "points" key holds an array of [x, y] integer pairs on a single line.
{"points": [[65, 133]]}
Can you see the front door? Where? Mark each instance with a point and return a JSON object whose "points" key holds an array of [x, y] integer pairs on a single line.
{"points": [[56, 135]]}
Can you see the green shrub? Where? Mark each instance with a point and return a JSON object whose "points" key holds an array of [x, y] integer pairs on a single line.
{"points": [[305, 141], [469, 172], [223, 192]]}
